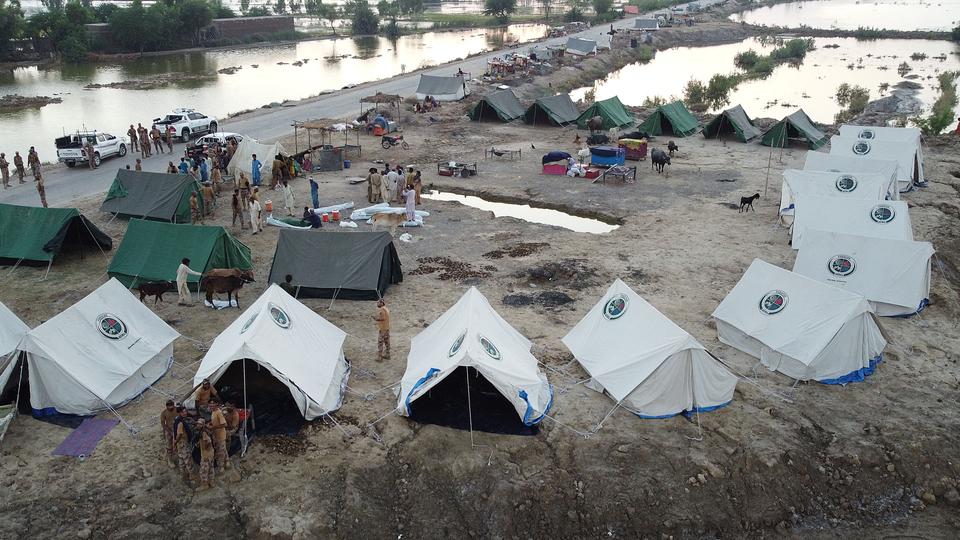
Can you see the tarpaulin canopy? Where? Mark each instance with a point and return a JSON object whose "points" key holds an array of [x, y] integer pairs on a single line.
{"points": [[151, 251], [349, 265], [646, 24], [581, 47], [557, 110], [441, 88], [733, 120], [644, 361], [299, 348], [502, 105], [614, 114], [380, 97], [670, 119], [161, 196], [800, 327], [795, 126], [33, 235], [242, 160]]}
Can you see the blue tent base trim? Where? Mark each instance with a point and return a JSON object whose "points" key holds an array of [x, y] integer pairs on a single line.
{"points": [[527, 421], [51, 415], [687, 413], [857, 376], [923, 304]]}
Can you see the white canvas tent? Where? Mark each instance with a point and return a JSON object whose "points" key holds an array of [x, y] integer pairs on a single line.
{"points": [[820, 161], [581, 47], [452, 88], [97, 354], [243, 158], [12, 330], [800, 327], [893, 275], [299, 348], [909, 136], [472, 334], [877, 219], [645, 362], [908, 169], [868, 186]]}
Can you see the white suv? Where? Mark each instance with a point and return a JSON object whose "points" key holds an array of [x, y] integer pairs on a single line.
{"points": [[70, 148], [186, 122]]}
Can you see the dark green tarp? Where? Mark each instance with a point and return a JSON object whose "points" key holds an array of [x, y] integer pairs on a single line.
{"points": [[151, 251], [670, 119], [796, 126], [161, 196], [35, 235], [733, 120], [614, 114], [502, 105], [348, 265], [558, 110]]}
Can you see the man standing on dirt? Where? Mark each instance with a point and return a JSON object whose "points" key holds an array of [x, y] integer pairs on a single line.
{"points": [[33, 161], [38, 178], [181, 439], [182, 272], [206, 456], [170, 131], [18, 164], [134, 144], [255, 170], [144, 139], [373, 185], [5, 170], [88, 151], [383, 329], [155, 136], [218, 426], [167, 417]]}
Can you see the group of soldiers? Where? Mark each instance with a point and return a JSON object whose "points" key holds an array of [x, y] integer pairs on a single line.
{"points": [[33, 161], [209, 427], [146, 141]]}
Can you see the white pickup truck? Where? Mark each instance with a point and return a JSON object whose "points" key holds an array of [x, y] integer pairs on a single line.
{"points": [[186, 122], [70, 148]]}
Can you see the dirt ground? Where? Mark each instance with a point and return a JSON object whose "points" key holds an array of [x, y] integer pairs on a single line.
{"points": [[878, 458]]}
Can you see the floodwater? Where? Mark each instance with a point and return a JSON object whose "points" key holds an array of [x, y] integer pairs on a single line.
{"points": [[937, 15], [330, 65], [543, 216], [811, 86]]}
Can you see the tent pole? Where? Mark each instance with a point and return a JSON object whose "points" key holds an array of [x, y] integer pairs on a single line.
{"points": [[246, 408], [45, 274], [16, 402], [469, 408], [600, 424]]}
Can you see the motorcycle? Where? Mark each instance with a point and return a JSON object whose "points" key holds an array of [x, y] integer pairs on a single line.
{"points": [[389, 141]]}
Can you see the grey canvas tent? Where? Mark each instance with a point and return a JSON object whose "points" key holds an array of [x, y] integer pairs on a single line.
{"points": [[733, 120], [649, 25], [348, 265], [148, 195], [581, 47], [557, 110], [501, 105], [452, 88], [797, 126]]}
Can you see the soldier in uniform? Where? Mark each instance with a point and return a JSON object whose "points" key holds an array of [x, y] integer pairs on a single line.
{"points": [[155, 135], [134, 145], [5, 170], [18, 164]]}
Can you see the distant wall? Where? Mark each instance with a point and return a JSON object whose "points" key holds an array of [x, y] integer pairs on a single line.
{"points": [[241, 27]]}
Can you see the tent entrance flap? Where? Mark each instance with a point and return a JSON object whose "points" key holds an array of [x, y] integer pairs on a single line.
{"points": [[17, 388], [275, 412], [446, 405]]}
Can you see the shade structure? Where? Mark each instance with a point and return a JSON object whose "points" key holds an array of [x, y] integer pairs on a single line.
{"points": [[796, 126], [35, 235], [242, 160], [152, 250], [865, 186], [614, 114], [97, 354], [893, 275], [909, 171], [346, 265], [453, 88], [912, 137], [670, 119], [558, 110], [159, 196], [800, 327], [877, 219], [734, 121], [644, 361], [581, 47], [471, 334], [299, 348], [648, 25], [502, 105]]}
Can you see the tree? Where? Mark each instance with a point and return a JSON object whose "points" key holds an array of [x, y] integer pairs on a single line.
{"points": [[12, 24], [363, 21], [194, 15], [280, 7], [387, 9], [602, 8], [62, 25], [327, 12], [129, 27], [295, 6], [545, 6], [244, 6], [955, 35], [258, 11], [501, 9], [220, 10], [410, 7]]}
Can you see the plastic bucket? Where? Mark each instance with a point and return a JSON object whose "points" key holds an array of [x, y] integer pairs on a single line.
{"points": [[377, 130], [346, 164], [325, 217], [336, 215], [268, 206]]}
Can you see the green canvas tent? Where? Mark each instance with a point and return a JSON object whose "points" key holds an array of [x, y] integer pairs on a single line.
{"points": [[797, 126], [558, 110], [502, 105], [34, 235], [160, 196], [733, 120], [670, 119], [614, 114], [151, 251]]}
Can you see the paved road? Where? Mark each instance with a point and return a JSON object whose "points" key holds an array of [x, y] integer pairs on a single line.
{"points": [[63, 185]]}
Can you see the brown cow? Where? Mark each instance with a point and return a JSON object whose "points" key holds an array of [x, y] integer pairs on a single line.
{"points": [[225, 280], [595, 124], [155, 289]]}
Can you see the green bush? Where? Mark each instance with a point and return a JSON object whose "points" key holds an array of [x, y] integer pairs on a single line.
{"points": [[941, 114], [73, 49], [853, 99], [746, 60], [955, 35], [574, 15]]}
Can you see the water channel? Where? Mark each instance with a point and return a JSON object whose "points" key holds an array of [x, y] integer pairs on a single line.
{"points": [[938, 15]]}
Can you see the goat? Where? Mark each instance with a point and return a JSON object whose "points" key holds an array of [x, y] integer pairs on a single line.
{"points": [[746, 203]]}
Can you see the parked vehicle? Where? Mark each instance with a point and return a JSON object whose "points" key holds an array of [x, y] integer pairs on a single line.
{"points": [[389, 141], [186, 123], [220, 137], [70, 148]]}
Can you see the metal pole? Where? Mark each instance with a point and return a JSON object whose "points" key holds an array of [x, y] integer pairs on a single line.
{"points": [[469, 406]]}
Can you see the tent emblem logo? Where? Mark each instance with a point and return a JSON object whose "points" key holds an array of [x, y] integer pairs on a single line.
{"points": [[279, 316], [866, 134], [773, 302], [246, 325], [456, 345], [111, 326], [615, 307], [489, 348], [882, 213], [846, 183], [842, 265], [861, 148]]}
